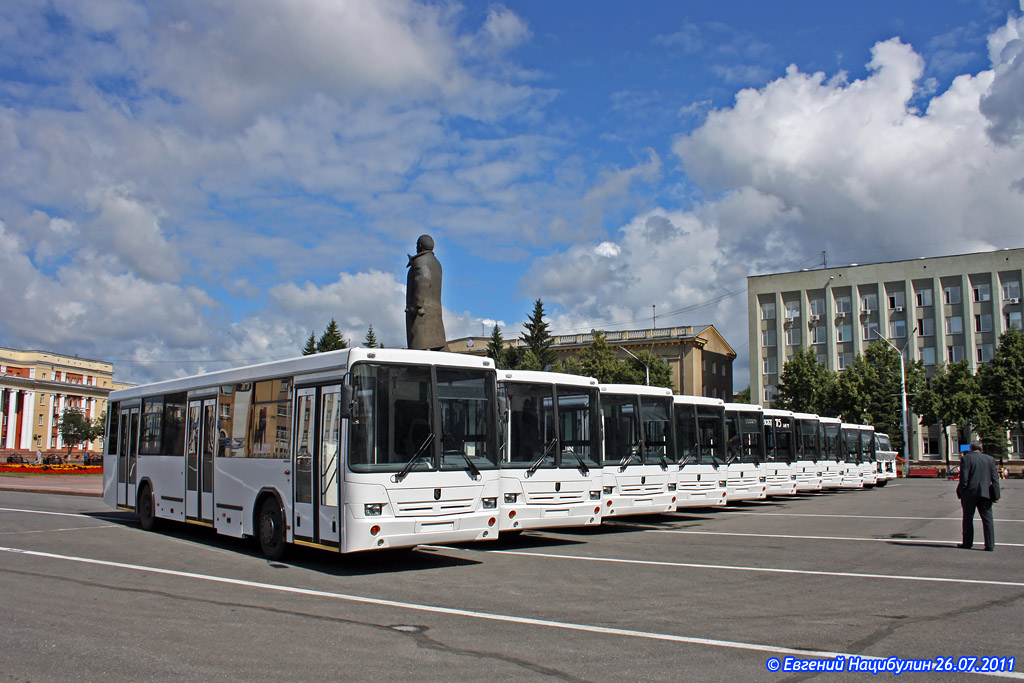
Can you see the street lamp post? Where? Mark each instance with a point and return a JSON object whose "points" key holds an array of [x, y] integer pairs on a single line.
{"points": [[903, 402], [646, 366]]}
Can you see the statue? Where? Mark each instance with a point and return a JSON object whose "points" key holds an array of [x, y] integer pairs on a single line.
{"points": [[424, 328]]}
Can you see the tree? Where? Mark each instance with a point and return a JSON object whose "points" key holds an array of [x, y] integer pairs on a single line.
{"points": [[805, 385], [496, 348], [644, 362], [310, 348], [598, 361], [1002, 382], [536, 337], [331, 339], [743, 396], [74, 428], [370, 340]]}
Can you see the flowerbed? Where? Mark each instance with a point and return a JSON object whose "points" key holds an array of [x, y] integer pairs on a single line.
{"points": [[67, 468]]}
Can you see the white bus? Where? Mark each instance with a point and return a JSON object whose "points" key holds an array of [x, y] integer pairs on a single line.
{"points": [[832, 461], [886, 458], [745, 452], [807, 466], [700, 451], [639, 447], [779, 448], [868, 466], [550, 463], [348, 450], [850, 444]]}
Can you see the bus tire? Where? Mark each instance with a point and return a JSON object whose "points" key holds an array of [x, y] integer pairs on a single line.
{"points": [[146, 508], [270, 530], [882, 483]]}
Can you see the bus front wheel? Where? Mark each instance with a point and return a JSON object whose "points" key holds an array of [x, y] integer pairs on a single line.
{"points": [[271, 529], [145, 508]]}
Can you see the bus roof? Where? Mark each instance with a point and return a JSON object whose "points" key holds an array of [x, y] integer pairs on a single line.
{"points": [[775, 412], [540, 377], [744, 407], [697, 400], [634, 390]]}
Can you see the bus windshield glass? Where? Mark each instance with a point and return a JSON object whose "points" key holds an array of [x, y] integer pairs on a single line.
{"points": [[744, 433], [686, 435], [807, 439], [657, 429], [830, 449], [400, 421], [882, 442], [577, 421], [851, 445], [711, 428], [540, 437], [784, 439], [621, 429], [867, 445]]}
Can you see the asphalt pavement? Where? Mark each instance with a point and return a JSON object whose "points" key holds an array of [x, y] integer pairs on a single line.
{"points": [[714, 594]]}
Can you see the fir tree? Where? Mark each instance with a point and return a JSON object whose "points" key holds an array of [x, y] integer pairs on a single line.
{"points": [[496, 348], [537, 338], [310, 348], [370, 340], [331, 339]]}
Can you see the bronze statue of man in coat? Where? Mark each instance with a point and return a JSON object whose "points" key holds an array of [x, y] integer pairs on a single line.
{"points": [[424, 328]]}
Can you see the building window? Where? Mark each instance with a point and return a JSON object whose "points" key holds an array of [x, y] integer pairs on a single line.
{"points": [[843, 304], [928, 355], [1011, 290], [952, 294], [770, 391], [822, 358], [982, 292], [869, 303], [770, 365], [40, 420], [844, 333], [954, 325], [897, 329], [793, 336], [819, 335], [983, 322], [897, 300], [768, 338], [792, 310], [1013, 319], [1017, 443], [955, 353], [818, 307], [924, 297], [870, 331], [724, 366], [714, 367], [929, 445], [925, 327], [768, 310], [984, 353], [845, 360]]}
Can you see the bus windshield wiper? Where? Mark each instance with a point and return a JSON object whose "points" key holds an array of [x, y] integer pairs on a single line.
{"points": [[689, 455], [543, 456], [420, 452], [474, 471], [584, 470], [633, 449]]}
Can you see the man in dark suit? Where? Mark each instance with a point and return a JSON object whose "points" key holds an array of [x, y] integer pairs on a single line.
{"points": [[977, 489]]}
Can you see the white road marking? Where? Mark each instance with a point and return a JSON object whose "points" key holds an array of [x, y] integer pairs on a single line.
{"points": [[50, 531], [810, 514], [768, 570], [61, 514], [818, 538], [488, 616]]}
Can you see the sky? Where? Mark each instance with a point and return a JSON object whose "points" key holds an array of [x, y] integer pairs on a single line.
{"points": [[196, 185]]}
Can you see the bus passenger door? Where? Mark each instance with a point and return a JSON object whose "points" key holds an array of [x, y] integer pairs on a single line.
{"points": [[200, 445], [126, 457], [328, 471], [303, 461]]}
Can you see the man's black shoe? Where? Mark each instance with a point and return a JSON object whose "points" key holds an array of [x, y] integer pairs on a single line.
{"points": [[964, 546]]}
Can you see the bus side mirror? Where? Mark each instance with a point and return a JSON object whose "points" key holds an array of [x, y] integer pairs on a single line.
{"points": [[346, 401], [502, 406]]}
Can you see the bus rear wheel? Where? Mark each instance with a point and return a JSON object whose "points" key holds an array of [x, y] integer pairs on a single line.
{"points": [[145, 508], [270, 529]]}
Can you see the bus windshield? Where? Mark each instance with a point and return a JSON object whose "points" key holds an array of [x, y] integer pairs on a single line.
{"points": [[400, 422], [711, 428], [540, 436], [744, 433], [784, 439], [867, 445], [807, 439], [830, 449], [621, 429], [657, 420], [851, 445], [882, 442]]}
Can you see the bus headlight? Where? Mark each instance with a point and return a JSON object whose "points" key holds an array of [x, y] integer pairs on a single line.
{"points": [[792, 477], [490, 503], [372, 509], [722, 484], [761, 479], [595, 495], [608, 490], [511, 498], [671, 487]]}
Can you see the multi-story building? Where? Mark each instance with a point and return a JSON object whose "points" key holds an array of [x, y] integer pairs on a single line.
{"points": [[941, 310], [35, 389], [698, 356]]}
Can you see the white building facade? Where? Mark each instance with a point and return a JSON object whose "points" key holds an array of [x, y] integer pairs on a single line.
{"points": [[941, 310]]}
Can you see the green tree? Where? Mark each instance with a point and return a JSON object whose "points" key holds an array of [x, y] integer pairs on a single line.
{"points": [[743, 396], [600, 362], [537, 338], [310, 348], [331, 339], [496, 348], [805, 385], [74, 428], [1002, 383], [370, 340], [952, 396], [660, 372]]}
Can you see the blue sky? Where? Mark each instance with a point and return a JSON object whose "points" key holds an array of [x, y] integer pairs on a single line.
{"points": [[192, 184]]}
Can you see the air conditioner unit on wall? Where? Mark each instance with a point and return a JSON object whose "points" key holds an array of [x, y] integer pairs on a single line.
{"points": [[1014, 300], [898, 309], [814, 317], [841, 314]]}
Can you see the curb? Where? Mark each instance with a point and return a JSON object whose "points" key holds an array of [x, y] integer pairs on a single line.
{"points": [[59, 492]]}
